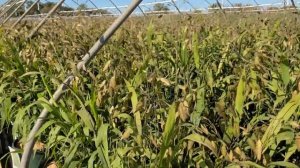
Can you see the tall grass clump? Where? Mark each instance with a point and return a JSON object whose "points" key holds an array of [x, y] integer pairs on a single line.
{"points": [[199, 92]]}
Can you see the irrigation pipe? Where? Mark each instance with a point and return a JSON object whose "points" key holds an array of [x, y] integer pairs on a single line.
{"points": [[63, 87]]}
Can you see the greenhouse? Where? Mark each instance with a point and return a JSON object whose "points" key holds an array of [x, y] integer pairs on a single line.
{"points": [[149, 83]]}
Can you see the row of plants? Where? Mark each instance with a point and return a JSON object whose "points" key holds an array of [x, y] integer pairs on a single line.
{"points": [[221, 91]]}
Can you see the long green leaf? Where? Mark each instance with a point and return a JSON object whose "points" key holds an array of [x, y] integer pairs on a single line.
{"points": [[240, 95], [134, 96], [168, 132], [196, 51], [283, 164], [284, 115], [245, 164], [200, 105], [101, 143]]}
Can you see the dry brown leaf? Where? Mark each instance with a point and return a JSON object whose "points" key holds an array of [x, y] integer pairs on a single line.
{"points": [[243, 155], [127, 133], [170, 151], [295, 125], [102, 84], [52, 165], [153, 141], [106, 66], [190, 145], [151, 78], [230, 155], [183, 110], [39, 146], [240, 154], [165, 81], [298, 142], [204, 129], [112, 84], [99, 99]]}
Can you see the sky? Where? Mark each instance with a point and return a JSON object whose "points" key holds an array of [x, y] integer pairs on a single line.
{"points": [[182, 4]]}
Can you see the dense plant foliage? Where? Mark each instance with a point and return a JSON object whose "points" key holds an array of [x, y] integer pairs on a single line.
{"points": [[195, 91]]}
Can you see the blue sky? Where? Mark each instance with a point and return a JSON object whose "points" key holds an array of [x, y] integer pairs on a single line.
{"points": [[180, 3]]}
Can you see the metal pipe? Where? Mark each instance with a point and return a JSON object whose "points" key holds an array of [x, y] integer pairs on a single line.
{"points": [[176, 7], [256, 2], [186, 1], [207, 2], [4, 5], [25, 13], [17, 8], [220, 6], [142, 10], [45, 19], [97, 9], [293, 4], [112, 2], [230, 3], [80, 66], [7, 9]]}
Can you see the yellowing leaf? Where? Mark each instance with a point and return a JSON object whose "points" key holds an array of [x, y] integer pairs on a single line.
{"points": [[127, 133], [165, 81], [283, 116], [284, 71], [283, 164], [258, 150], [230, 155], [196, 51], [223, 150], [246, 164], [134, 96], [86, 118], [203, 141], [106, 66], [138, 123], [200, 105], [240, 95], [112, 84], [209, 78]]}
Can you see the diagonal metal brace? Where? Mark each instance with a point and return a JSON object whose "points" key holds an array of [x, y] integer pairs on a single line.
{"points": [[16, 9], [50, 13], [25, 13]]}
